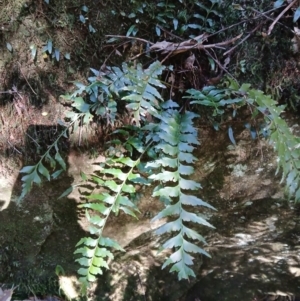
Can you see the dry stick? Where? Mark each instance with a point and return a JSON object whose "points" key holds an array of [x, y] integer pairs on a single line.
{"points": [[104, 63], [280, 15], [243, 40], [130, 38], [219, 64], [27, 80], [14, 147], [241, 22], [170, 33], [269, 18], [171, 52], [216, 45]]}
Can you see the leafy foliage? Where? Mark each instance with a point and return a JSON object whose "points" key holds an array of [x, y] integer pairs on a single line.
{"points": [[115, 197], [156, 143], [280, 136], [176, 16], [155, 149], [35, 173], [170, 149]]}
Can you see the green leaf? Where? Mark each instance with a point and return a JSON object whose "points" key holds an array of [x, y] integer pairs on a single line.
{"points": [[175, 23], [82, 19], [33, 51], [108, 242], [57, 53], [192, 217], [188, 184], [128, 188], [112, 185], [193, 201], [44, 171], [296, 15], [56, 174], [116, 172], [103, 252], [132, 30], [9, 47], [60, 160], [188, 158], [67, 56], [165, 176], [49, 46], [96, 206], [171, 227], [28, 169], [185, 169], [36, 178], [88, 241], [278, 3], [168, 191]]}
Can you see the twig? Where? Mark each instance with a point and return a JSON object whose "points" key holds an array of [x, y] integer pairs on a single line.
{"points": [[221, 43], [33, 140], [14, 148], [130, 38], [219, 64], [170, 33], [280, 15], [26, 80], [269, 18], [8, 92], [241, 22]]}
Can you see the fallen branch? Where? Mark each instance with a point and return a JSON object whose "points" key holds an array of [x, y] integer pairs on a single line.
{"points": [[195, 43], [130, 38], [280, 15]]}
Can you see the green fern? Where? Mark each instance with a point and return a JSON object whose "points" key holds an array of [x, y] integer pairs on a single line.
{"points": [[35, 173], [176, 140], [167, 139], [117, 181], [285, 143]]}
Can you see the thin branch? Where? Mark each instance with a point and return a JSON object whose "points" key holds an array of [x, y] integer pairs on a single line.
{"points": [[14, 148], [130, 38], [26, 80], [269, 18], [170, 33], [280, 15], [243, 21], [219, 64]]}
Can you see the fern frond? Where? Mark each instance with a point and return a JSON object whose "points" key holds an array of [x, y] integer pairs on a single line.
{"points": [[117, 181], [35, 173], [286, 144], [177, 137], [143, 96]]}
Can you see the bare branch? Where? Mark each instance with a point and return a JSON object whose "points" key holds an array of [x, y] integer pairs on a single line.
{"points": [[280, 15]]}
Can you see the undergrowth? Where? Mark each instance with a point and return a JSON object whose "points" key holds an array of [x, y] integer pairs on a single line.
{"points": [[156, 149], [154, 144]]}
